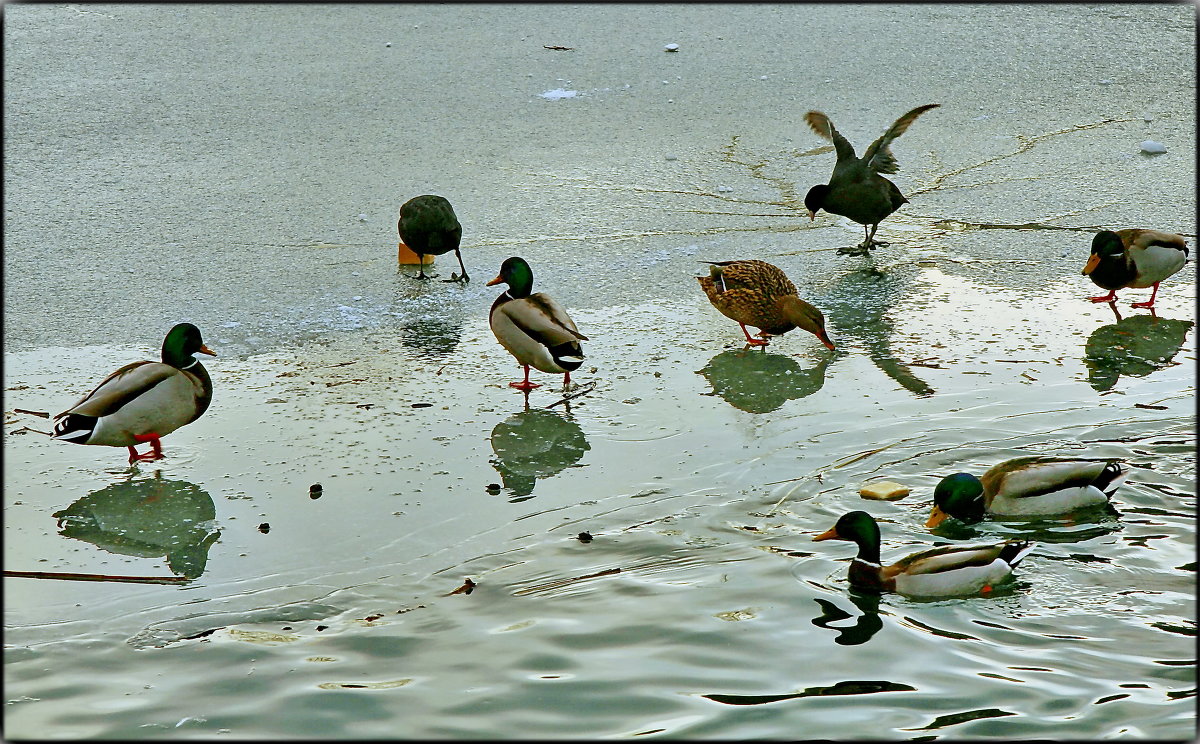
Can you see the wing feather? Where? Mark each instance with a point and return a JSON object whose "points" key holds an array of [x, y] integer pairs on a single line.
{"points": [[121, 387], [878, 156], [823, 127], [1028, 477], [541, 318]]}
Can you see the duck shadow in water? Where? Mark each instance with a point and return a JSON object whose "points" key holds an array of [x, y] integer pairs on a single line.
{"points": [[431, 323], [1135, 347], [532, 444], [857, 307], [760, 382], [147, 518], [431, 338], [866, 625], [1076, 527]]}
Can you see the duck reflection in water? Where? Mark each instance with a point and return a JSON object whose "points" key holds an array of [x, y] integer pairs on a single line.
{"points": [[147, 518], [433, 337], [866, 626], [431, 323], [858, 307], [535, 443], [761, 382], [1135, 346]]}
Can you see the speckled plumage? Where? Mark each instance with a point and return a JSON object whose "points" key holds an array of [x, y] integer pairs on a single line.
{"points": [[759, 294]]}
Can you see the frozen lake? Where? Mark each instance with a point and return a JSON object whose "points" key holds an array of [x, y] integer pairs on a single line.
{"points": [[242, 167]]}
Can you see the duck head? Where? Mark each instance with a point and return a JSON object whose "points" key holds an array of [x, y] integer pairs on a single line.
{"points": [[856, 527], [515, 272], [814, 200], [803, 315], [959, 496], [181, 344], [1106, 245]]}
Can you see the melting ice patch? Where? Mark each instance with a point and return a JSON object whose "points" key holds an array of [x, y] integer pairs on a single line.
{"points": [[558, 94]]}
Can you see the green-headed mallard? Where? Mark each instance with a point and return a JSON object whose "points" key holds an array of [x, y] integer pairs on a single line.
{"points": [[533, 327], [429, 227], [1134, 258], [856, 190], [757, 293], [1027, 486], [143, 401], [947, 571]]}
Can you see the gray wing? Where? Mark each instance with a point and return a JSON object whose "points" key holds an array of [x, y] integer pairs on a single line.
{"points": [[122, 386], [541, 318], [878, 156]]}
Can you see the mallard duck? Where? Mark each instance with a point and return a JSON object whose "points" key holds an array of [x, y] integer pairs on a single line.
{"points": [[856, 190], [757, 293], [950, 570], [533, 327], [429, 227], [143, 401], [1026, 486], [1134, 258]]}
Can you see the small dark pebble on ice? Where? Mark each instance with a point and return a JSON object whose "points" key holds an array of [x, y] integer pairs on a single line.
{"points": [[321, 627], [315, 491], [585, 537], [493, 488], [421, 405], [264, 528]]}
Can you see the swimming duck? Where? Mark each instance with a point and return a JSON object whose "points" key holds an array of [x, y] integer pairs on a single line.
{"points": [[1134, 258], [856, 190], [757, 293], [533, 327], [1027, 486], [143, 401], [429, 227], [950, 570]]}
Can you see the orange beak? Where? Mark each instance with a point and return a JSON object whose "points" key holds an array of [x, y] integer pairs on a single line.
{"points": [[205, 350], [497, 280], [830, 534], [1092, 263], [936, 517], [825, 340]]}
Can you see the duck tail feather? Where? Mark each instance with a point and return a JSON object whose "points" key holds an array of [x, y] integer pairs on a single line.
{"points": [[74, 427], [1015, 550], [1113, 475]]}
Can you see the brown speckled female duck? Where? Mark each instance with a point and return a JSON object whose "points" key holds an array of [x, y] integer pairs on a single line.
{"points": [[757, 293]]}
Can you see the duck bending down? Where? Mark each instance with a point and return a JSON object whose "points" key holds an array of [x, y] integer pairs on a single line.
{"points": [[429, 227], [1027, 486], [855, 189], [1134, 258], [533, 327], [143, 401], [947, 571], [756, 293]]}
